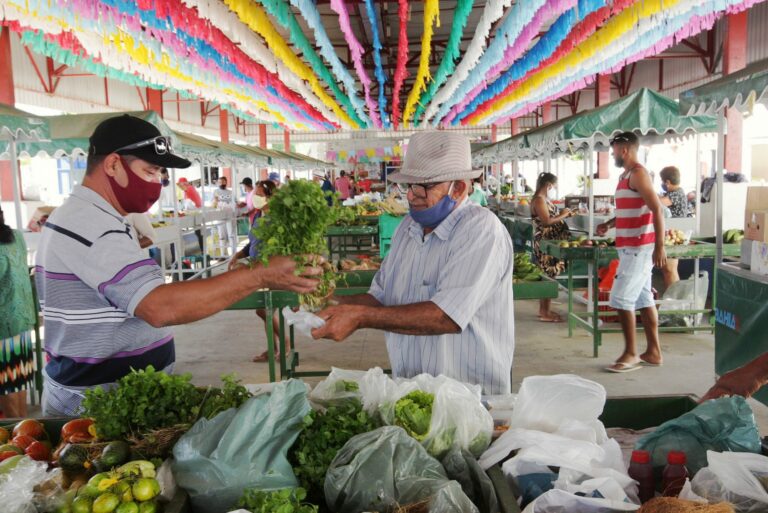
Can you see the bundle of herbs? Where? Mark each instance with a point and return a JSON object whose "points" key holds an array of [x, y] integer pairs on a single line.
{"points": [[295, 224]]}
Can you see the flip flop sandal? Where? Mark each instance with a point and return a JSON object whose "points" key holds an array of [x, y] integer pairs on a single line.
{"points": [[649, 364], [621, 367]]}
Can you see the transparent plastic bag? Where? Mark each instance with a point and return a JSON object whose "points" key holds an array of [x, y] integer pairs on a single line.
{"points": [[733, 477], [459, 418], [245, 448], [369, 387], [386, 468], [546, 402], [560, 501], [680, 296], [303, 321], [19, 491], [725, 424]]}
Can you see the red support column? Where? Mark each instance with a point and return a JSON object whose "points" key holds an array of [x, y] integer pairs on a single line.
{"points": [[155, 100], [547, 116], [603, 97], [494, 133], [286, 140], [7, 97], [224, 136], [263, 173], [514, 127], [734, 59]]}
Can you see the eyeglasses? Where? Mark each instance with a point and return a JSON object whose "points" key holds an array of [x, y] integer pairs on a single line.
{"points": [[621, 138], [417, 188], [161, 143]]}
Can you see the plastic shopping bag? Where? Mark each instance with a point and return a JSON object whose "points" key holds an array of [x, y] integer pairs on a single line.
{"points": [[544, 403], [725, 424], [386, 468], [218, 459], [734, 477], [369, 387], [18, 488], [560, 501], [303, 321], [680, 296], [458, 417], [462, 467]]}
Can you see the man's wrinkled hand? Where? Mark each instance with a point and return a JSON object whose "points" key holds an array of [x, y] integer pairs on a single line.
{"points": [[340, 322], [742, 381], [282, 273]]}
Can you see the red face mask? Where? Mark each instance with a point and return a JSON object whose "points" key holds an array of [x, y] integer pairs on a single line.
{"points": [[138, 195]]}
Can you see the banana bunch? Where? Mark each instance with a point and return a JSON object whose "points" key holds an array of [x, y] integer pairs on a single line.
{"points": [[524, 269], [733, 236]]}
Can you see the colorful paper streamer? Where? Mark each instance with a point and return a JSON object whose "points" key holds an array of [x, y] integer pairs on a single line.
{"points": [[431, 18], [402, 58], [381, 78]]}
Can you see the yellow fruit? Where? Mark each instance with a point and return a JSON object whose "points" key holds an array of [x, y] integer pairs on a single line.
{"points": [[106, 503], [127, 507], [145, 489], [81, 505], [4, 436], [148, 507]]}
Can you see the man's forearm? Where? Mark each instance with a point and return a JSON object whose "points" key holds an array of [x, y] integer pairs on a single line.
{"points": [[658, 226], [424, 318], [189, 301]]}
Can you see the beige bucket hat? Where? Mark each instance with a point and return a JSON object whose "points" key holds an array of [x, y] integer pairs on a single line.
{"points": [[437, 156]]}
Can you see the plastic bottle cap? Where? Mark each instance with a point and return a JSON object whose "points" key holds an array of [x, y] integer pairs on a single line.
{"points": [[676, 458], [641, 457]]}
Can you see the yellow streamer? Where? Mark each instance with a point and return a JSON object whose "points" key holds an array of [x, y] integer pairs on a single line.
{"points": [[257, 20], [616, 27], [431, 17]]}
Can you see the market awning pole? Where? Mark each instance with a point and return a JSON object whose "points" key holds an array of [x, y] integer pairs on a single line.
{"points": [[721, 133], [16, 192], [591, 191], [204, 225], [698, 186]]}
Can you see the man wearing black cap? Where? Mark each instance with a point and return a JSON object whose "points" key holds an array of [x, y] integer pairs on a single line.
{"points": [[250, 208], [107, 306]]}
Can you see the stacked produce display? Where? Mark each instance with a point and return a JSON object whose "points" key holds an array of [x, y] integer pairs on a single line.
{"points": [[524, 269]]}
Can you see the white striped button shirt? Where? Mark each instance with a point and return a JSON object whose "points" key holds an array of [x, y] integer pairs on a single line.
{"points": [[465, 267]]}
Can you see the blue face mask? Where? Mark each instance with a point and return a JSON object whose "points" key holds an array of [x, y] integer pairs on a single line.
{"points": [[433, 216], [166, 182]]}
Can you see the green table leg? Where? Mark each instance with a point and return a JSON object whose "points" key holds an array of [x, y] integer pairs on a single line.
{"points": [[271, 341], [285, 370], [570, 299], [595, 309]]}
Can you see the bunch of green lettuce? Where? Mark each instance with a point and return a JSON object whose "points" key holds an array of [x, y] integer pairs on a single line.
{"points": [[413, 412]]}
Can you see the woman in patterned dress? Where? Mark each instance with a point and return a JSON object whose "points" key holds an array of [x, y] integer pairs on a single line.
{"points": [[548, 224], [17, 318]]}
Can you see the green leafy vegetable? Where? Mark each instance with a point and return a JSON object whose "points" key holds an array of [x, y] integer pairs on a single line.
{"points": [[147, 399], [295, 224], [413, 413], [344, 385], [287, 500], [324, 434]]}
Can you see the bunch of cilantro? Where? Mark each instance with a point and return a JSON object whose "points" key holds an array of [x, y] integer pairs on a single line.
{"points": [[323, 435], [145, 400], [295, 224], [287, 500]]}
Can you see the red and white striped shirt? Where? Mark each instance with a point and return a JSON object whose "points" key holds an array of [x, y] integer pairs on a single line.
{"points": [[634, 220]]}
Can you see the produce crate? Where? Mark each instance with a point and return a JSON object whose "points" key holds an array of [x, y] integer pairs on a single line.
{"points": [[356, 278], [546, 288], [388, 224]]}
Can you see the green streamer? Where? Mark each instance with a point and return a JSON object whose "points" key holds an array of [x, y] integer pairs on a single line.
{"points": [[281, 10], [448, 64]]}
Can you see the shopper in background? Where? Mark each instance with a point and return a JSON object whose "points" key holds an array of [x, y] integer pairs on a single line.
{"points": [[224, 200], [250, 210], [274, 177], [364, 183], [443, 295], [261, 195], [17, 318], [548, 224], [343, 186], [675, 199], [191, 196], [106, 306], [168, 196], [478, 194], [639, 224], [322, 178]]}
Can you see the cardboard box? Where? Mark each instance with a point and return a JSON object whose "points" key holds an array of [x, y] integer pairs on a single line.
{"points": [[759, 258], [755, 225]]}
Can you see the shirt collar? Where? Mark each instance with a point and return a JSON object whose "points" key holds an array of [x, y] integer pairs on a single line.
{"points": [[89, 195], [444, 229]]}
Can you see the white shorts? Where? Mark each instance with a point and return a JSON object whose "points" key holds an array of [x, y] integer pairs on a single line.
{"points": [[632, 286]]}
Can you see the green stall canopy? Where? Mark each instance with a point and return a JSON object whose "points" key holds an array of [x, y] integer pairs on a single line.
{"points": [[739, 90], [18, 125]]}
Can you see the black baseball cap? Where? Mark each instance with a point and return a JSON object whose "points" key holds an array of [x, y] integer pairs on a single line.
{"points": [[247, 181], [626, 137], [129, 135]]}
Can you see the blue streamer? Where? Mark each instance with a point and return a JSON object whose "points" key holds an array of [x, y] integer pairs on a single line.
{"points": [[379, 71], [665, 28], [543, 48]]}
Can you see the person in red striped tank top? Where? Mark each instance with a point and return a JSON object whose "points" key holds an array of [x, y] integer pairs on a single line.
{"points": [[639, 224]]}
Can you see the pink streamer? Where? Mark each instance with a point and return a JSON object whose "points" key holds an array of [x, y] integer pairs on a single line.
{"points": [[547, 11], [694, 26], [357, 57]]}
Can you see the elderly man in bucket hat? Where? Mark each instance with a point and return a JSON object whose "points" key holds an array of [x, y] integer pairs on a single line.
{"points": [[444, 293]]}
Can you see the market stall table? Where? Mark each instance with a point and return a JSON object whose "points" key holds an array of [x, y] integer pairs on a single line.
{"points": [[590, 320], [357, 239]]}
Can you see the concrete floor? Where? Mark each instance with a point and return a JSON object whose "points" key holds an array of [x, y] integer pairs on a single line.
{"points": [[226, 343]]}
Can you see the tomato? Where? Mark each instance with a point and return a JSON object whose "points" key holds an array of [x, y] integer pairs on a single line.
{"points": [[77, 427], [29, 427], [22, 441], [38, 451]]}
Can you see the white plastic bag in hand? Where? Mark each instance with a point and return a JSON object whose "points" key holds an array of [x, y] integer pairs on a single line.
{"points": [[560, 501], [730, 477], [303, 321], [544, 403]]}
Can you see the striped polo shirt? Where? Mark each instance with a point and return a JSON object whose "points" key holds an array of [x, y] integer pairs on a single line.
{"points": [[91, 274], [465, 267], [634, 220]]}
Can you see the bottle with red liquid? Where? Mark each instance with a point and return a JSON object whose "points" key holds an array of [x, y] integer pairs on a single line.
{"points": [[641, 470], [674, 475]]}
